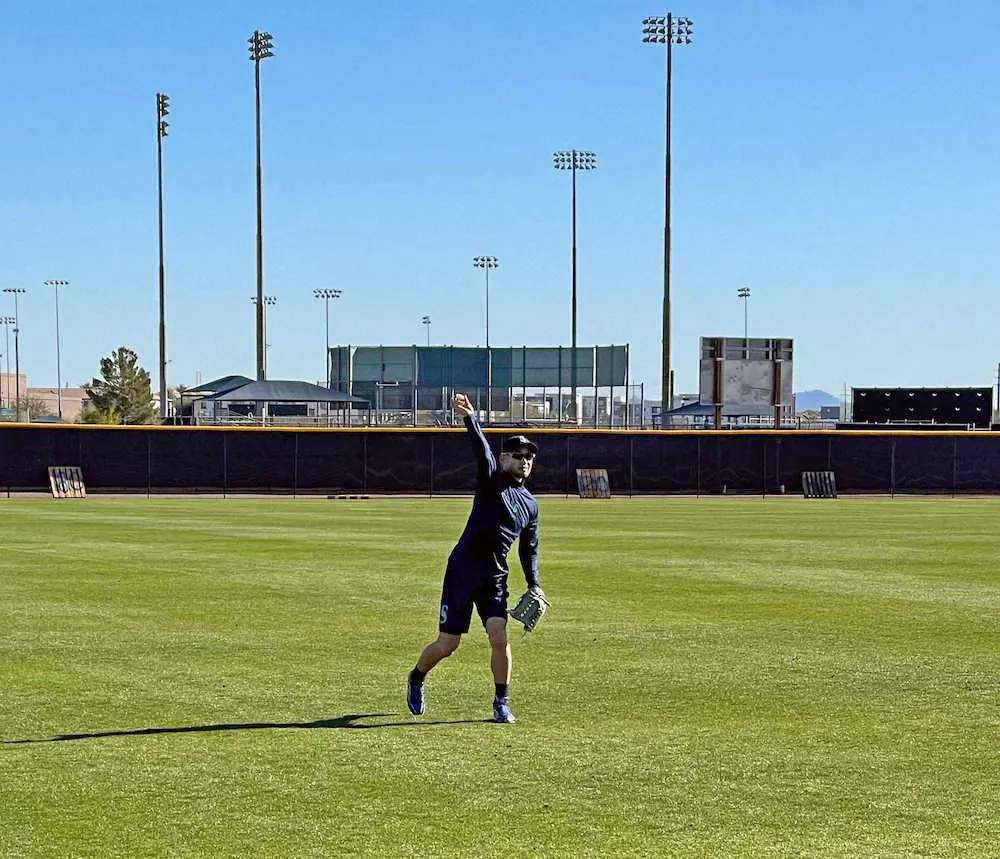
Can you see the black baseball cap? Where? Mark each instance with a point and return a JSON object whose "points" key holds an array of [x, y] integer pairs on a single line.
{"points": [[514, 443]]}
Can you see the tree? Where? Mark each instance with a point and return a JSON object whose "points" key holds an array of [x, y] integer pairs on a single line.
{"points": [[35, 406], [91, 415], [176, 397], [123, 394]]}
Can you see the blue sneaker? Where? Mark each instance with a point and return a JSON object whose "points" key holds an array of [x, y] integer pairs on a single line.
{"points": [[501, 711], [415, 696]]}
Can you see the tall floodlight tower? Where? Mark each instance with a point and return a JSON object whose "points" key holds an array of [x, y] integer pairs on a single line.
{"points": [[667, 31], [326, 295], [261, 47], [486, 263], [162, 110], [743, 293], [16, 291], [574, 160], [55, 284], [7, 321], [269, 301]]}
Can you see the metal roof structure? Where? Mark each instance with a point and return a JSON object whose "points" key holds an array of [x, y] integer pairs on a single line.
{"points": [[286, 391], [219, 386]]}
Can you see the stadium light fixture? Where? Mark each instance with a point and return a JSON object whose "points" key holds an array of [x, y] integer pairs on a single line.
{"points": [[16, 291], [269, 301], [744, 293], [7, 321], [426, 321], [55, 284], [162, 111], [326, 295], [573, 160], [670, 31], [261, 47], [486, 263]]}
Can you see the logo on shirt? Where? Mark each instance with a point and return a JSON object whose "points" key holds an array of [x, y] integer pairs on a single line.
{"points": [[517, 511]]}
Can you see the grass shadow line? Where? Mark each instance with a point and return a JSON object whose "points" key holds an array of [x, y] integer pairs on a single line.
{"points": [[350, 722]]}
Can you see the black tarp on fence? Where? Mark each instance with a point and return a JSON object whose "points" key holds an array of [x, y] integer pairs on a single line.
{"points": [[427, 461]]}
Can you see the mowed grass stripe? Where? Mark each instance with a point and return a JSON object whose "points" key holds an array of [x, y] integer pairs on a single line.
{"points": [[717, 677]]}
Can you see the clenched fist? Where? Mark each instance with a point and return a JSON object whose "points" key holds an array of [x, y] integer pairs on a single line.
{"points": [[462, 405]]}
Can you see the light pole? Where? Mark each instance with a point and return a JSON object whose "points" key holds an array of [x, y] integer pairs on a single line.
{"points": [[326, 295], [998, 388], [744, 293], [997, 412], [667, 31], [426, 321], [269, 301], [55, 284], [261, 47], [16, 291], [162, 110], [574, 160], [7, 321], [486, 263]]}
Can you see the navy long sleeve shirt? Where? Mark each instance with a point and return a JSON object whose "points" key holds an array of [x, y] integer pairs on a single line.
{"points": [[502, 511]]}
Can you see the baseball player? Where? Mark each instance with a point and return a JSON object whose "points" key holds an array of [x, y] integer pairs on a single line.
{"points": [[502, 510]]}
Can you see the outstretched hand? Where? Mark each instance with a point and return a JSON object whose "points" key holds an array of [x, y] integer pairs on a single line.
{"points": [[463, 405]]}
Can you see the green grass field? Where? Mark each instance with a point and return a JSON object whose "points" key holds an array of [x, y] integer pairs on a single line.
{"points": [[732, 677]]}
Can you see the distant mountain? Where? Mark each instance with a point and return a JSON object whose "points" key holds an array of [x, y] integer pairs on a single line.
{"points": [[812, 400]]}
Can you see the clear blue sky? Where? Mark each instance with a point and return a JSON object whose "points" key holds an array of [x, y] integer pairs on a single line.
{"points": [[842, 159]]}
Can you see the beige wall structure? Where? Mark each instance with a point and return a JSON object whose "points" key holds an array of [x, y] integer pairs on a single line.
{"points": [[8, 388], [73, 400]]}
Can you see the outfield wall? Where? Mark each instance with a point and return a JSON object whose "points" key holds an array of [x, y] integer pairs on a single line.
{"points": [[427, 461]]}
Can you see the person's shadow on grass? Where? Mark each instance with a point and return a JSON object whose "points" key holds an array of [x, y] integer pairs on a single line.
{"points": [[354, 721]]}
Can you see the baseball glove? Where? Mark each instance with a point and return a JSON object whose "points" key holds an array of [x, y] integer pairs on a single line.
{"points": [[530, 608]]}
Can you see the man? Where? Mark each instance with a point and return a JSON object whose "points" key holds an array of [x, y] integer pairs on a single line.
{"points": [[502, 509]]}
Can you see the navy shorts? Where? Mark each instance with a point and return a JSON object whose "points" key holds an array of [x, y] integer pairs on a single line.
{"points": [[471, 582]]}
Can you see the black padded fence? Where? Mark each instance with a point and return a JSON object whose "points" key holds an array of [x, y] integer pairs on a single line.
{"points": [[433, 461]]}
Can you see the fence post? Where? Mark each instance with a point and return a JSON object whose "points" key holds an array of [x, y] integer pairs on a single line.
{"points": [[697, 491], [566, 441], [954, 467], [777, 463], [631, 464], [892, 466]]}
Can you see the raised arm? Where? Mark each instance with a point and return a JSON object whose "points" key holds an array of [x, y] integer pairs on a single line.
{"points": [[486, 463]]}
